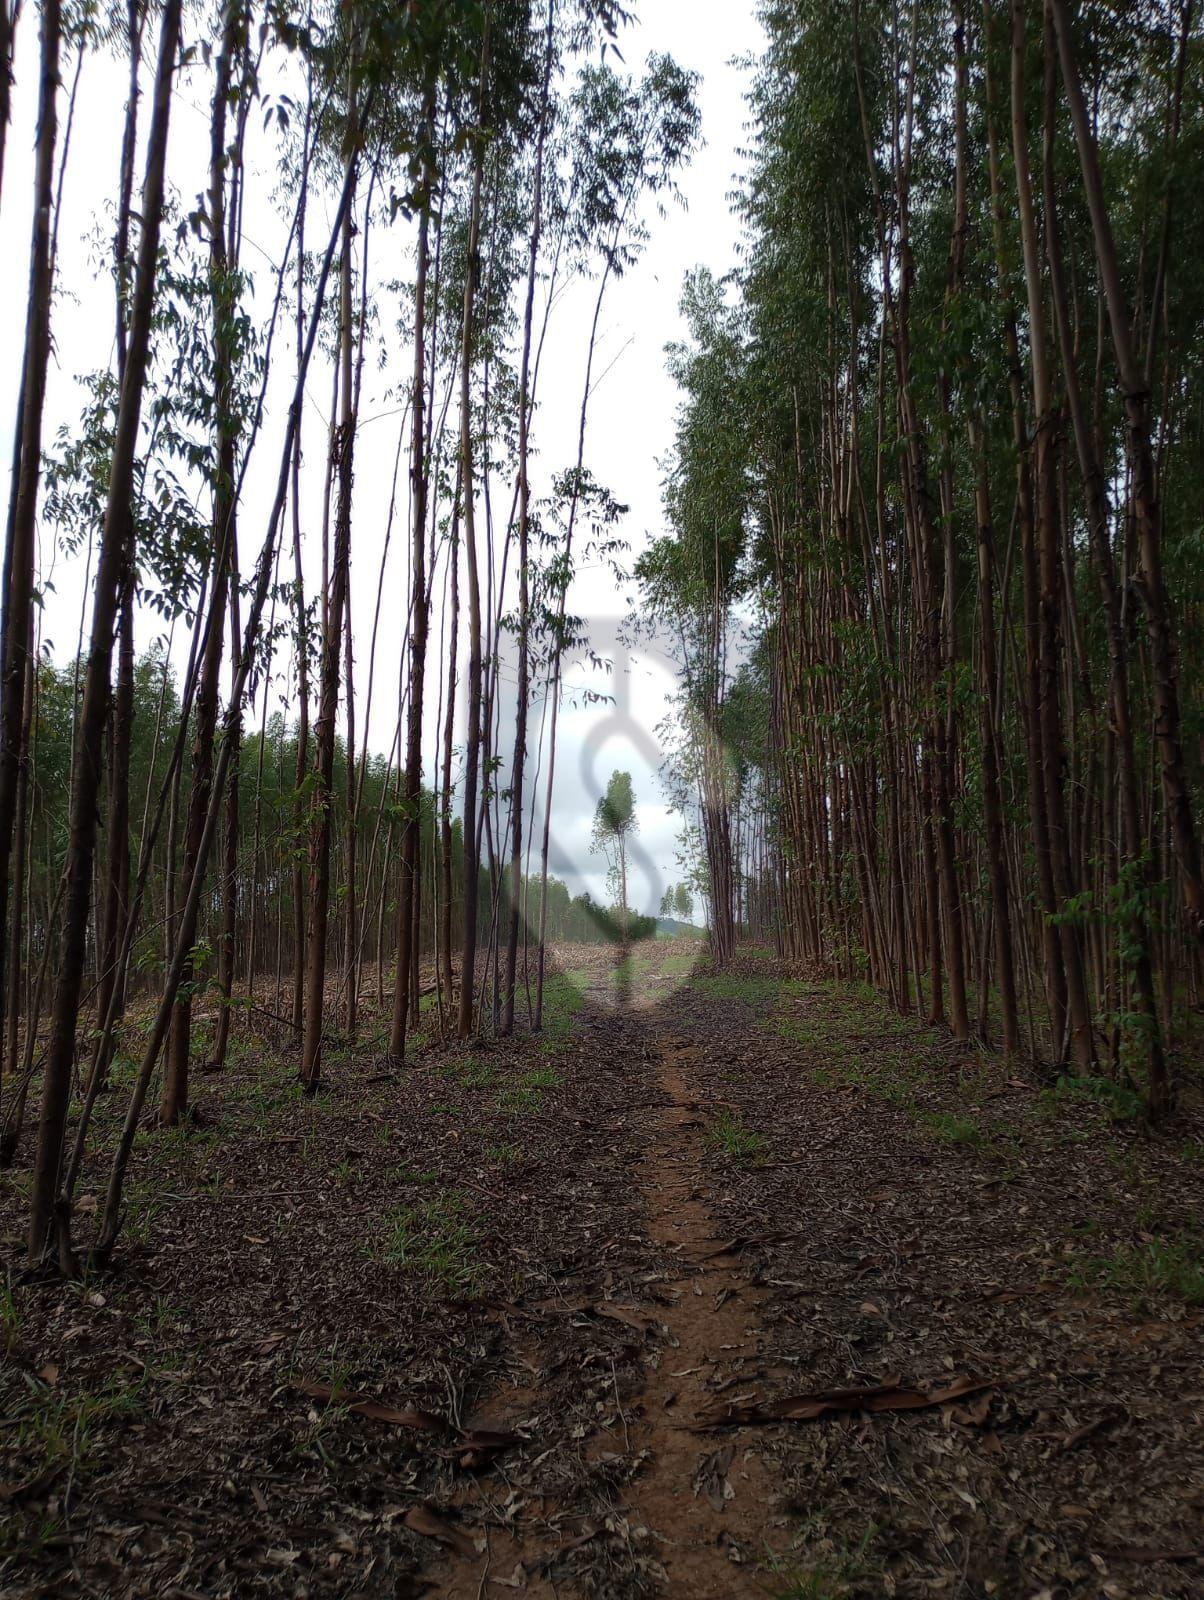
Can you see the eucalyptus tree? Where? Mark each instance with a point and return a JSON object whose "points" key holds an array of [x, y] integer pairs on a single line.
{"points": [[1048, 708], [693, 579], [353, 39], [221, 221], [505, 70], [259, 589], [419, 609], [435, 172], [615, 824], [117, 821], [16, 612], [525, 404], [957, 703], [1133, 378], [60, 1053]]}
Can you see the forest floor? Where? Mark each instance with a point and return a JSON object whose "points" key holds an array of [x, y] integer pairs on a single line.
{"points": [[727, 1285]]}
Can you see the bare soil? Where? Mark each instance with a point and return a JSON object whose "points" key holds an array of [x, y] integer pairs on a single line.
{"points": [[523, 1318]]}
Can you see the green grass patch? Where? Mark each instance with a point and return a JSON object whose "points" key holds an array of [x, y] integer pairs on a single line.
{"points": [[475, 1072], [503, 1157], [10, 1321], [738, 986], [731, 1136], [404, 1173], [809, 1033], [55, 1430], [528, 1088], [831, 1578], [433, 1238], [951, 1129], [1173, 1268], [1118, 1101], [893, 1081], [563, 998]]}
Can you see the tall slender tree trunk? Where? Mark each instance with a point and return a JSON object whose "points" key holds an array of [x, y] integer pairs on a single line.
{"points": [[1151, 583], [351, 971], [17, 603], [301, 766], [342, 446], [178, 956], [227, 942], [518, 771], [81, 846], [12, 1015], [1054, 972], [472, 754], [117, 891], [408, 889], [1048, 709], [1133, 840], [446, 875], [175, 1081]]}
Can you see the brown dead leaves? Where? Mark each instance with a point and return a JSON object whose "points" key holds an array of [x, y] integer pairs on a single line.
{"points": [[889, 1396], [476, 1446], [433, 1524]]}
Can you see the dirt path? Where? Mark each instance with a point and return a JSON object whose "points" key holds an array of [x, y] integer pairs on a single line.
{"points": [[702, 1503], [706, 1501]]}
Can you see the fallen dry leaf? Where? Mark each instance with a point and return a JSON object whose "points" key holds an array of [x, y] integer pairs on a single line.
{"points": [[432, 1524], [364, 1406], [711, 1480], [1106, 1419], [475, 1447], [832, 1402], [742, 1242], [628, 1315], [1172, 1553], [973, 1416]]}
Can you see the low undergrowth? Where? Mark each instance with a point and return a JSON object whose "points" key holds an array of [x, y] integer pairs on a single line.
{"points": [[434, 1237], [729, 1134], [1156, 1268]]}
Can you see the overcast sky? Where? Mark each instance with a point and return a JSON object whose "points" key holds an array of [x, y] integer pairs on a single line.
{"points": [[631, 410]]}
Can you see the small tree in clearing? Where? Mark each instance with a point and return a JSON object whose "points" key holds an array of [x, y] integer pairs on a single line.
{"points": [[614, 823], [677, 904]]}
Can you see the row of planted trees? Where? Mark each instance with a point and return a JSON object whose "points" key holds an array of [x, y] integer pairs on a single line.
{"points": [[267, 966], [210, 813], [935, 504]]}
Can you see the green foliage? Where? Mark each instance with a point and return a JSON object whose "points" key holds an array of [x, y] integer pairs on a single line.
{"points": [[615, 817], [434, 1238], [951, 1129], [526, 1091], [729, 1135], [1173, 1268], [627, 137], [845, 451], [1121, 1102], [57, 1431], [832, 1578], [10, 1320]]}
